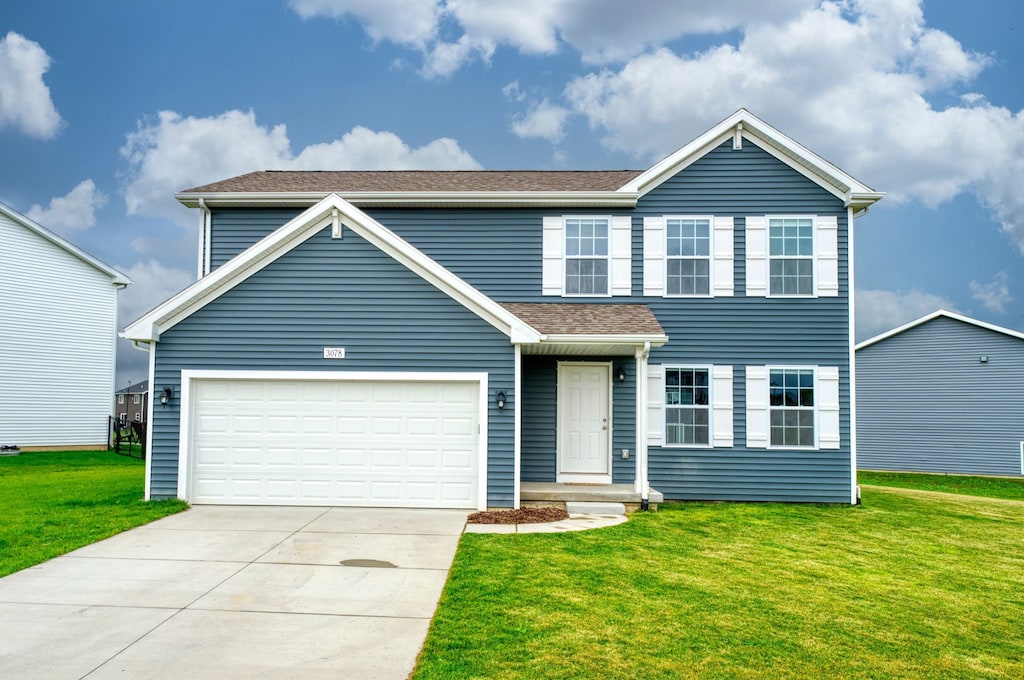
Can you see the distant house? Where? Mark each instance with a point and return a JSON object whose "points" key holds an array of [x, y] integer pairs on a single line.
{"points": [[131, 403], [58, 323], [944, 393]]}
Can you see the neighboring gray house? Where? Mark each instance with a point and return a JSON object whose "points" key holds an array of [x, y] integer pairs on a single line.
{"points": [[944, 393], [58, 331], [462, 339]]}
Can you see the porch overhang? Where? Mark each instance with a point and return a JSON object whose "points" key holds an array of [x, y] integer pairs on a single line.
{"points": [[588, 329], [599, 345]]}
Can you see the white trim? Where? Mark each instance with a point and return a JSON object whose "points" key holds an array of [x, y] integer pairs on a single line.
{"points": [[596, 478], [723, 256], [117, 278], [853, 356], [620, 251], [654, 273], [757, 419], [149, 423], [827, 407], [552, 255], [722, 405], [618, 198], [1022, 458], [755, 235], [296, 231], [826, 255], [934, 315], [786, 149], [642, 484], [189, 377], [517, 435]]}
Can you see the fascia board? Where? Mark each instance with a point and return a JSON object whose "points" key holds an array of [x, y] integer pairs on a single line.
{"points": [[116, 277], [934, 315], [625, 339], [779, 145], [609, 199]]}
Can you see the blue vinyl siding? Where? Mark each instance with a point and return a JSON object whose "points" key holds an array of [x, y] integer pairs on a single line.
{"points": [[741, 331], [347, 293], [926, 403], [499, 251]]}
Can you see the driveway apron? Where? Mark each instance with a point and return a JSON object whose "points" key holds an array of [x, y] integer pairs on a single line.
{"points": [[235, 592]]}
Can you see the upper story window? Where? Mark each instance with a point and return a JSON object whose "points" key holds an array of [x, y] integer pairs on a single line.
{"points": [[688, 255], [687, 406], [791, 407], [136, 399], [120, 399], [586, 255], [791, 256]]}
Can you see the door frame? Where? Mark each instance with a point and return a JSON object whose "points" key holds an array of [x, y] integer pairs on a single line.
{"points": [[581, 478]]}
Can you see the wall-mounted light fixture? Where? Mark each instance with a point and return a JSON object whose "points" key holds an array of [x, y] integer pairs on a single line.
{"points": [[166, 395], [500, 400], [620, 375]]}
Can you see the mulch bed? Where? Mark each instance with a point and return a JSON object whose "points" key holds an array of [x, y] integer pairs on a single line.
{"points": [[530, 515]]}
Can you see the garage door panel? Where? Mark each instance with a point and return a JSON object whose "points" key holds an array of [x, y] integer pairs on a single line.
{"points": [[410, 444]]}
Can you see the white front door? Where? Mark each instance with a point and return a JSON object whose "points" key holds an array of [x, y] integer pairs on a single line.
{"points": [[584, 423]]}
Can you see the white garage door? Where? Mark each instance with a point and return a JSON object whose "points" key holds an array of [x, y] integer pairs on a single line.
{"points": [[320, 442]]}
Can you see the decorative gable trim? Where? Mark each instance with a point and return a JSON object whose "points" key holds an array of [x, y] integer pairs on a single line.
{"points": [[744, 124], [934, 315], [149, 327]]}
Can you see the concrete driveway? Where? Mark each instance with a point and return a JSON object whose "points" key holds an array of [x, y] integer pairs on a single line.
{"points": [[235, 592]]}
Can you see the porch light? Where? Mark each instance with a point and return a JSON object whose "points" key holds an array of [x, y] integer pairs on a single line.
{"points": [[620, 375], [166, 395], [500, 399]]}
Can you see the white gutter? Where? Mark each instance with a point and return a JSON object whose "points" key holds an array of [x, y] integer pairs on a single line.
{"points": [[204, 239], [623, 199]]}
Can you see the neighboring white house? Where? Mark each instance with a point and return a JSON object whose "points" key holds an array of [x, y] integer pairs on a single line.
{"points": [[58, 332]]}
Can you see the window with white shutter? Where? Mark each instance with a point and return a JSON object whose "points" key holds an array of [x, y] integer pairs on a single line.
{"points": [[793, 407], [586, 256], [688, 256], [792, 255]]}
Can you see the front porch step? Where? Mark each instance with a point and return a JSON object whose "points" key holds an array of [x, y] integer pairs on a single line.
{"points": [[551, 493], [594, 508]]}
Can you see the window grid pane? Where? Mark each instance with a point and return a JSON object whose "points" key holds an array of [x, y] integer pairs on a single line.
{"points": [[687, 406], [586, 256], [791, 256], [688, 248], [791, 406]]}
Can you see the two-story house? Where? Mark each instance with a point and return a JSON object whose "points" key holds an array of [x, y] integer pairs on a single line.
{"points": [[463, 339], [131, 403]]}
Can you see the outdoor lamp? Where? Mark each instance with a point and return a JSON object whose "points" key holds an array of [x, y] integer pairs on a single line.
{"points": [[620, 375], [166, 395], [501, 400]]}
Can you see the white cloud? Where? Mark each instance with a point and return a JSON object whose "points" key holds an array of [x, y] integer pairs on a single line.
{"points": [[544, 121], [172, 152], [879, 311], [25, 103], [861, 73], [73, 212], [406, 22], [995, 294]]}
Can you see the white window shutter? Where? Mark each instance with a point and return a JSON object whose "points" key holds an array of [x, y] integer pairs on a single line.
{"points": [[757, 255], [757, 407], [828, 407], [827, 254], [655, 403], [722, 263], [553, 274], [721, 406], [654, 256], [622, 255]]}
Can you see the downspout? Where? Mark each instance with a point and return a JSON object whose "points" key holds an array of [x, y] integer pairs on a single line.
{"points": [[641, 424], [204, 239]]}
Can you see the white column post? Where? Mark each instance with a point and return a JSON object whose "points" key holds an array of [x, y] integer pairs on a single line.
{"points": [[642, 485]]}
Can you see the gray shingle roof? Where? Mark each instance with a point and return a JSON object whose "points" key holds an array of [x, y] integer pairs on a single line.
{"points": [[573, 318], [429, 181]]}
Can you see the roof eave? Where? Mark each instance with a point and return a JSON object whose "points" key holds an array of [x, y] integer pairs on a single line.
{"points": [[607, 199], [656, 339]]}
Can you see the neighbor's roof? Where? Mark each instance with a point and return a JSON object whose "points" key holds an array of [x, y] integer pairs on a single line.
{"points": [[117, 277], [934, 315], [132, 389], [567, 318], [365, 181]]}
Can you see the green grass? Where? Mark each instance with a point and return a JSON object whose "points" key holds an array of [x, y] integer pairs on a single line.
{"points": [[990, 487], [903, 586], [54, 502]]}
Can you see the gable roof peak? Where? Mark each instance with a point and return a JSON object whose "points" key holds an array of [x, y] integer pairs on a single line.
{"points": [[935, 315]]}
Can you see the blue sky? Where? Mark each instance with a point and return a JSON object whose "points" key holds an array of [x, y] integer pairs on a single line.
{"points": [[108, 108]]}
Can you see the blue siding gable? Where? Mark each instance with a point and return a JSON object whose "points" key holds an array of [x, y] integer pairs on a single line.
{"points": [[330, 292]]}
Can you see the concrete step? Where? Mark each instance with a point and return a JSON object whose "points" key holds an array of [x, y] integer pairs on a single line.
{"points": [[594, 508]]}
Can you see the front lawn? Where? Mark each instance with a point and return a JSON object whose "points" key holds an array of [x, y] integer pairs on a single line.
{"points": [[991, 487], [903, 586], [55, 502]]}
